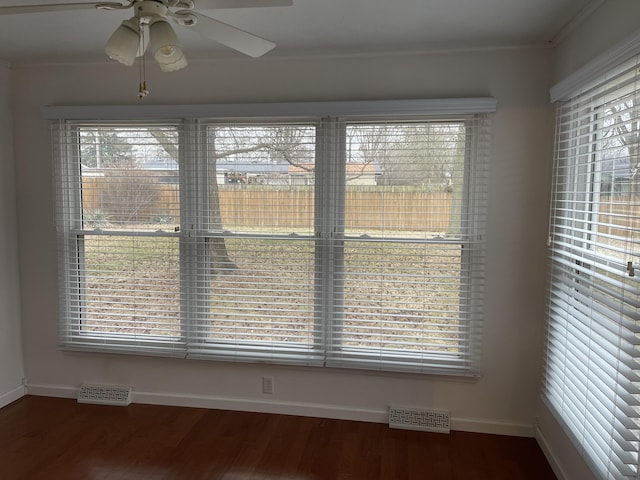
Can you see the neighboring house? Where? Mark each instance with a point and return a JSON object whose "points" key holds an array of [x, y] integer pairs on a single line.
{"points": [[363, 173], [357, 174], [165, 170], [255, 173], [284, 173], [616, 175]]}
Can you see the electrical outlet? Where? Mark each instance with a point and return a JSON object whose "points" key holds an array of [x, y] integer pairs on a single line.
{"points": [[267, 385]]}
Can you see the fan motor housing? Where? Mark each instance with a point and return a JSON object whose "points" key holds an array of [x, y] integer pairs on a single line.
{"points": [[151, 8]]}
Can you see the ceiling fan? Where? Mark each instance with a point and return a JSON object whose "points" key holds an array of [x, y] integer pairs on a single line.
{"points": [[149, 27]]}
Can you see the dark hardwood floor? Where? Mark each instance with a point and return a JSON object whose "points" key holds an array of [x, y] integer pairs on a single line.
{"points": [[50, 438]]}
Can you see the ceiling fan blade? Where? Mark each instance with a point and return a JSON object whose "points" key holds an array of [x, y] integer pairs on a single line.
{"points": [[52, 7], [228, 35], [216, 4]]}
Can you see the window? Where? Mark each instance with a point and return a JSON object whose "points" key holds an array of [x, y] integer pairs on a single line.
{"points": [[592, 371], [354, 240]]}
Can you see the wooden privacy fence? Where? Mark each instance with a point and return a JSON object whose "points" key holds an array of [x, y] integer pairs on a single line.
{"points": [[398, 208], [618, 214], [130, 199], [364, 207]]}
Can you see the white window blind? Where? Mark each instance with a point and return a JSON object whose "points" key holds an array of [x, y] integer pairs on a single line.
{"points": [[118, 207], [410, 259], [348, 242], [592, 370], [256, 269]]}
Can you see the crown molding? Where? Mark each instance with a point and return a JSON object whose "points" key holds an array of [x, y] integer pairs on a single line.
{"points": [[596, 68], [576, 21]]}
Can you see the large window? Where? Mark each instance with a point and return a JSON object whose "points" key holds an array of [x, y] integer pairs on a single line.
{"points": [[592, 371], [353, 241]]}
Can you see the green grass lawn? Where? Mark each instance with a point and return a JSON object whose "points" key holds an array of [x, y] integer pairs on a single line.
{"points": [[407, 293]]}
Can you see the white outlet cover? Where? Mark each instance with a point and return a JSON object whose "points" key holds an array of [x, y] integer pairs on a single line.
{"points": [[267, 385]]}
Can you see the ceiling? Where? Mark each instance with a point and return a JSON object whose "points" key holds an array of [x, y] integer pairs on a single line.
{"points": [[308, 27]]}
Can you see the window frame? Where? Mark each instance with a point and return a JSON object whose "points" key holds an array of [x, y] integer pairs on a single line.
{"points": [[192, 239], [592, 302], [339, 355], [71, 255]]}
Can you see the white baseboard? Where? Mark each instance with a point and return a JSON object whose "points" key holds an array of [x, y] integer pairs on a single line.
{"points": [[226, 403], [11, 396], [493, 427], [548, 453], [57, 391], [323, 411], [290, 408], [263, 406]]}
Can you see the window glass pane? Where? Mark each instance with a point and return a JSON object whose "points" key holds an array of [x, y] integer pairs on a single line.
{"points": [[260, 249], [129, 182], [402, 296], [405, 179], [129, 285], [269, 294], [129, 177], [261, 178], [402, 278]]}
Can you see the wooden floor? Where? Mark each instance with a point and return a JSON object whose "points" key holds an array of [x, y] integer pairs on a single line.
{"points": [[49, 438]]}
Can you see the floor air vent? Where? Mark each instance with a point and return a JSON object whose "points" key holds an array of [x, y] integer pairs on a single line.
{"points": [[105, 394], [419, 419]]}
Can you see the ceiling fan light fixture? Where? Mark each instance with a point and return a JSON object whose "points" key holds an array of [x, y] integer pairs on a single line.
{"points": [[124, 43], [165, 46], [178, 64]]}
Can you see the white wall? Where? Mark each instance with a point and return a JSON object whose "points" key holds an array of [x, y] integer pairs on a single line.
{"points": [[504, 400], [559, 450], [11, 368], [613, 22]]}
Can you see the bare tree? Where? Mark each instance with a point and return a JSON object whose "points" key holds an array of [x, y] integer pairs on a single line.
{"points": [[621, 133], [129, 193], [264, 144], [369, 145]]}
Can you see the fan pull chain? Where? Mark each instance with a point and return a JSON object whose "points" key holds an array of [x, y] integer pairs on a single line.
{"points": [[143, 91]]}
